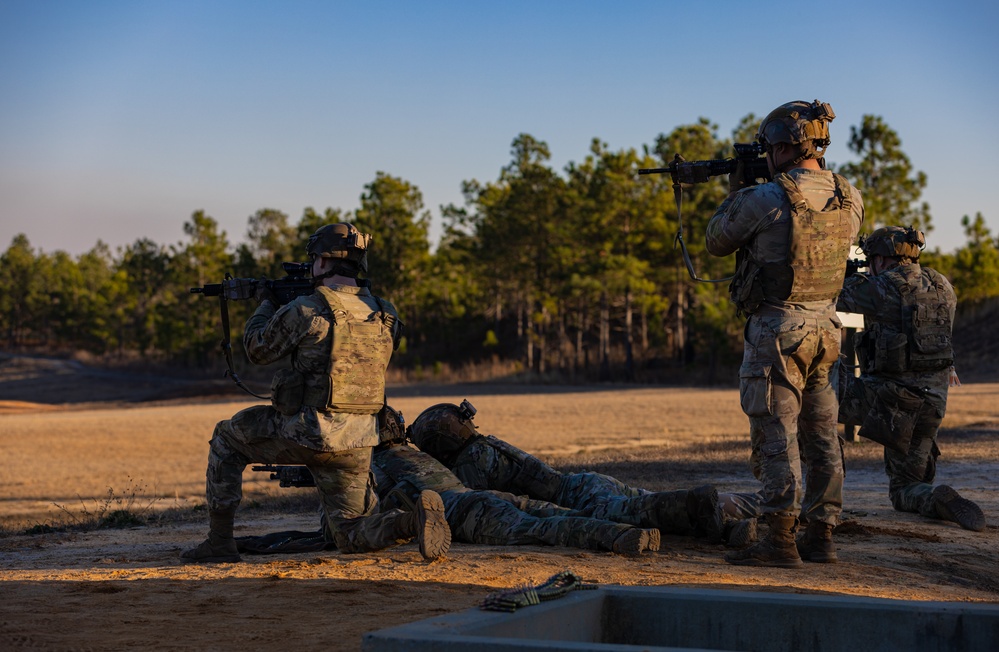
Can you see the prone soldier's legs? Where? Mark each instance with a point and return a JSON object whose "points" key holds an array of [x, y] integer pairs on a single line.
{"points": [[664, 510], [484, 518], [692, 512], [583, 490]]}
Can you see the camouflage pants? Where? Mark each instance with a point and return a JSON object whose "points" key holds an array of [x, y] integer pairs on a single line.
{"points": [[910, 474], [664, 510], [343, 479], [607, 498], [584, 490], [484, 517], [785, 390]]}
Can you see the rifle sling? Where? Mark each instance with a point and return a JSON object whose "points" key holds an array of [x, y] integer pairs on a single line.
{"points": [[227, 348], [678, 240]]}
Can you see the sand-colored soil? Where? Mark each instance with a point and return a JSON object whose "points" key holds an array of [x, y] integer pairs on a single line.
{"points": [[104, 589]]}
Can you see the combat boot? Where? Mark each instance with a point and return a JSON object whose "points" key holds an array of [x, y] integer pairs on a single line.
{"points": [[636, 540], [704, 513], [816, 543], [950, 506], [428, 525], [220, 546], [741, 533], [776, 549]]}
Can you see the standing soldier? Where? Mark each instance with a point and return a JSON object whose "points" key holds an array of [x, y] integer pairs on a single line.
{"points": [[339, 340], [792, 238], [906, 356]]}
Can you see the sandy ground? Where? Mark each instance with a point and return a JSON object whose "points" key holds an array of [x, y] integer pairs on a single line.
{"points": [[102, 589]]}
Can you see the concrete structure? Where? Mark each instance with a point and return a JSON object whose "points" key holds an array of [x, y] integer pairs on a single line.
{"points": [[628, 619]]}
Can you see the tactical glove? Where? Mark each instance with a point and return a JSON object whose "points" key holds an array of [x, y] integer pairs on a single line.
{"points": [[737, 179], [264, 292]]}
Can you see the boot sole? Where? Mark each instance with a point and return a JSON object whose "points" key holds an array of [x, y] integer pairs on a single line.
{"points": [[435, 535], [950, 506], [654, 541], [742, 534], [636, 540]]}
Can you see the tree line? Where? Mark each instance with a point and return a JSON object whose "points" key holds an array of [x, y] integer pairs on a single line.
{"points": [[571, 274]]}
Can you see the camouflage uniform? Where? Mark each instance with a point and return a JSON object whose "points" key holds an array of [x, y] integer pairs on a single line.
{"points": [[783, 280], [888, 401], [492, 517], [488, 462], [335, 446]]}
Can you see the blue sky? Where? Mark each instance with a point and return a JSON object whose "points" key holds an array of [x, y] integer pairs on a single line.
{"points": [[118, 119]]}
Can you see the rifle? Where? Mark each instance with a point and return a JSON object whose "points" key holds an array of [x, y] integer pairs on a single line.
{"points": [[751, 155], [295, 283], [288, 475], [856, 266]]}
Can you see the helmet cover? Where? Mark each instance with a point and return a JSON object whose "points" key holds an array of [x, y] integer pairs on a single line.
{"points": [[443, 429], [341, 241], [894, 241], [797, 123]]}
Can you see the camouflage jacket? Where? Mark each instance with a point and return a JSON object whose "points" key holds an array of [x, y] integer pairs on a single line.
{"points": [[879, 300], [302, 330], [401, 467], [756, 221]]}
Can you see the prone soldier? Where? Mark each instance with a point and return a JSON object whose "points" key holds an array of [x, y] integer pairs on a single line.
{"points": [[498, 518], [448, 433]]}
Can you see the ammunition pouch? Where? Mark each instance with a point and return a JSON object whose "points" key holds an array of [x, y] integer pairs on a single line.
{"points": [[890, 350], [931, 338], [892, 418], [746, 288], [288, 391]]}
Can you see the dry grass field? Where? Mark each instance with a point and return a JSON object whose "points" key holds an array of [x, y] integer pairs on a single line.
{"points": [[69, 459]]}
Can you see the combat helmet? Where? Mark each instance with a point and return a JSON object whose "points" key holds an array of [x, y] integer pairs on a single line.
{"points": [[443, 430], [341, 241], [798, 123], [894, 241]]}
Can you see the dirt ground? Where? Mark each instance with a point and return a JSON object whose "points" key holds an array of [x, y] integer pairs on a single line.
{"points": [[69, 457]]}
